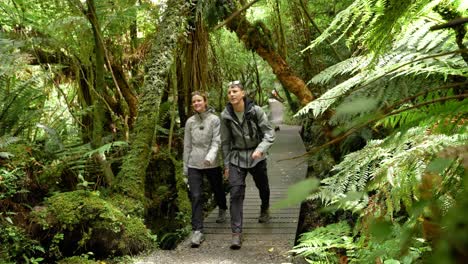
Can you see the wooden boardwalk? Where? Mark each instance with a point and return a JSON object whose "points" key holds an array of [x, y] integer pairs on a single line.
{"points": [[281, 175], [262, 243]]}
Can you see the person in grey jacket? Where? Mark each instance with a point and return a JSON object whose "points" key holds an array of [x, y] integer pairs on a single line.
{"points": [[246, 136], [201, 147]]}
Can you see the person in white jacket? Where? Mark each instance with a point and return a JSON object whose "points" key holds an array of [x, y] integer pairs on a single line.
{"points": [[202, 143]]}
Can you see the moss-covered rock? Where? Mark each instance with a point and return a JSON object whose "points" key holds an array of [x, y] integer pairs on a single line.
{"points": [[127, 205], [90, 224]]}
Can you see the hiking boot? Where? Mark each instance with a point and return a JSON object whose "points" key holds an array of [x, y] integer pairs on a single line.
{"points": [[236, 242], [197, 238], [264, 216], [221, 216]]}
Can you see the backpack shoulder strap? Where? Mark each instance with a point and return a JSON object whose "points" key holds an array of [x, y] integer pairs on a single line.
{"points": [[259, 129]]}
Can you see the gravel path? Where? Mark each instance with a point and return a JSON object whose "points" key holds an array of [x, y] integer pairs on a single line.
{"points": [[217, 251]]}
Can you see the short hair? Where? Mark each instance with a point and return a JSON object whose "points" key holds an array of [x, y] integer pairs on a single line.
{"points": [[200, 93], [236, 83]]}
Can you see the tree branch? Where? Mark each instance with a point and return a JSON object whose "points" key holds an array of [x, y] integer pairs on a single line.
{"points": [[234, 15], [451, 24]]}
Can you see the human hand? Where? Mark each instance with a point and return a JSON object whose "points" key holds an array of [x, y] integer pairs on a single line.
{"points": [[226, 173], [257, 154], [206, 163], [186, 183]]}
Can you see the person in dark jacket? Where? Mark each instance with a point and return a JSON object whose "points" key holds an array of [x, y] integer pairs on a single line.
{"points": [[201, 151], [246, 136]]}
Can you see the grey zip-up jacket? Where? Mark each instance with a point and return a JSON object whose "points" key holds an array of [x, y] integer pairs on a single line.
{"points": [[240, 140], [201, 141]]}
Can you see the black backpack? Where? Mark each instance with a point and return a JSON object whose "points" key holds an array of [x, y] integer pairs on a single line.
{"points": [[251, 117]]}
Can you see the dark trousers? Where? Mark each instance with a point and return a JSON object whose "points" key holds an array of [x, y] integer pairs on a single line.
{"points": [[237, 191], [195, 181]]}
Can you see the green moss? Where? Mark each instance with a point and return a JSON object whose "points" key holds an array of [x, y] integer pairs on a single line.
{"points": [[127, 205], [90, 222], [77, 260], [183, 201], [136, 235]]}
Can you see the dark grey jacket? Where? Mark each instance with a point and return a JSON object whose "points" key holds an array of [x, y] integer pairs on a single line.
{"points": [[240, 140], [201, 141]]}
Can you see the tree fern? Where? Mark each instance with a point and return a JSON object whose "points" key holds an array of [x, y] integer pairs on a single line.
{"points": [[20, 102], [351, 65], [401, 174], [381, 19], [394, 166], [431, 114], [428, 57]]}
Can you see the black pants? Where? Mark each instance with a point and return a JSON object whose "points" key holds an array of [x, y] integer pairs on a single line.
{"points": [[237, 184], [195, 181]]}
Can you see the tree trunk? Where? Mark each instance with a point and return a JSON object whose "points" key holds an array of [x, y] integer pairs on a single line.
{"points": [[196, 58], [99, 119], [131, 179], [84, 96], [283, 51], [182, 95], [256, 37], [128, 94]]}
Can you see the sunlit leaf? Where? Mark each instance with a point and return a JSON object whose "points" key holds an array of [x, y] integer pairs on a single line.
{"points": [[359, 105], [438, 165], [381, 229], [297, 193]]}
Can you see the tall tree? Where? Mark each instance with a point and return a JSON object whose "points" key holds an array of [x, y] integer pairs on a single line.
{"points": [[131, 178], [257, 37]]}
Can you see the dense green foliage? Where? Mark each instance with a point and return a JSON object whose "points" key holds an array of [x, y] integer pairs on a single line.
{"points": [[94, 95], [410, 81]]}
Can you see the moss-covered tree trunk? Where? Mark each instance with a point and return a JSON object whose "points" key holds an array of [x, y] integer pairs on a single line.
{"points": [[99, 119], [130, 180], [257, 38]]}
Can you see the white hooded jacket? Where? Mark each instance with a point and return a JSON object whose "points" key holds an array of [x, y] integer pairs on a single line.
{"points": [[202, 141]]}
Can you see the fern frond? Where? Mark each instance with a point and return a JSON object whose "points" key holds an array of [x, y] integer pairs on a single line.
{"points": [[352, 174], [426, 116], [342, 20], [102, 150], [351, 65], [401, 173], [19, 101], [319, 244], [412, 61], [5, 141], [393, 166], [383, 21]]}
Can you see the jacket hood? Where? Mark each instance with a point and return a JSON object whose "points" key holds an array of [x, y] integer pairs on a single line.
{"points": [[248, 107]]}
